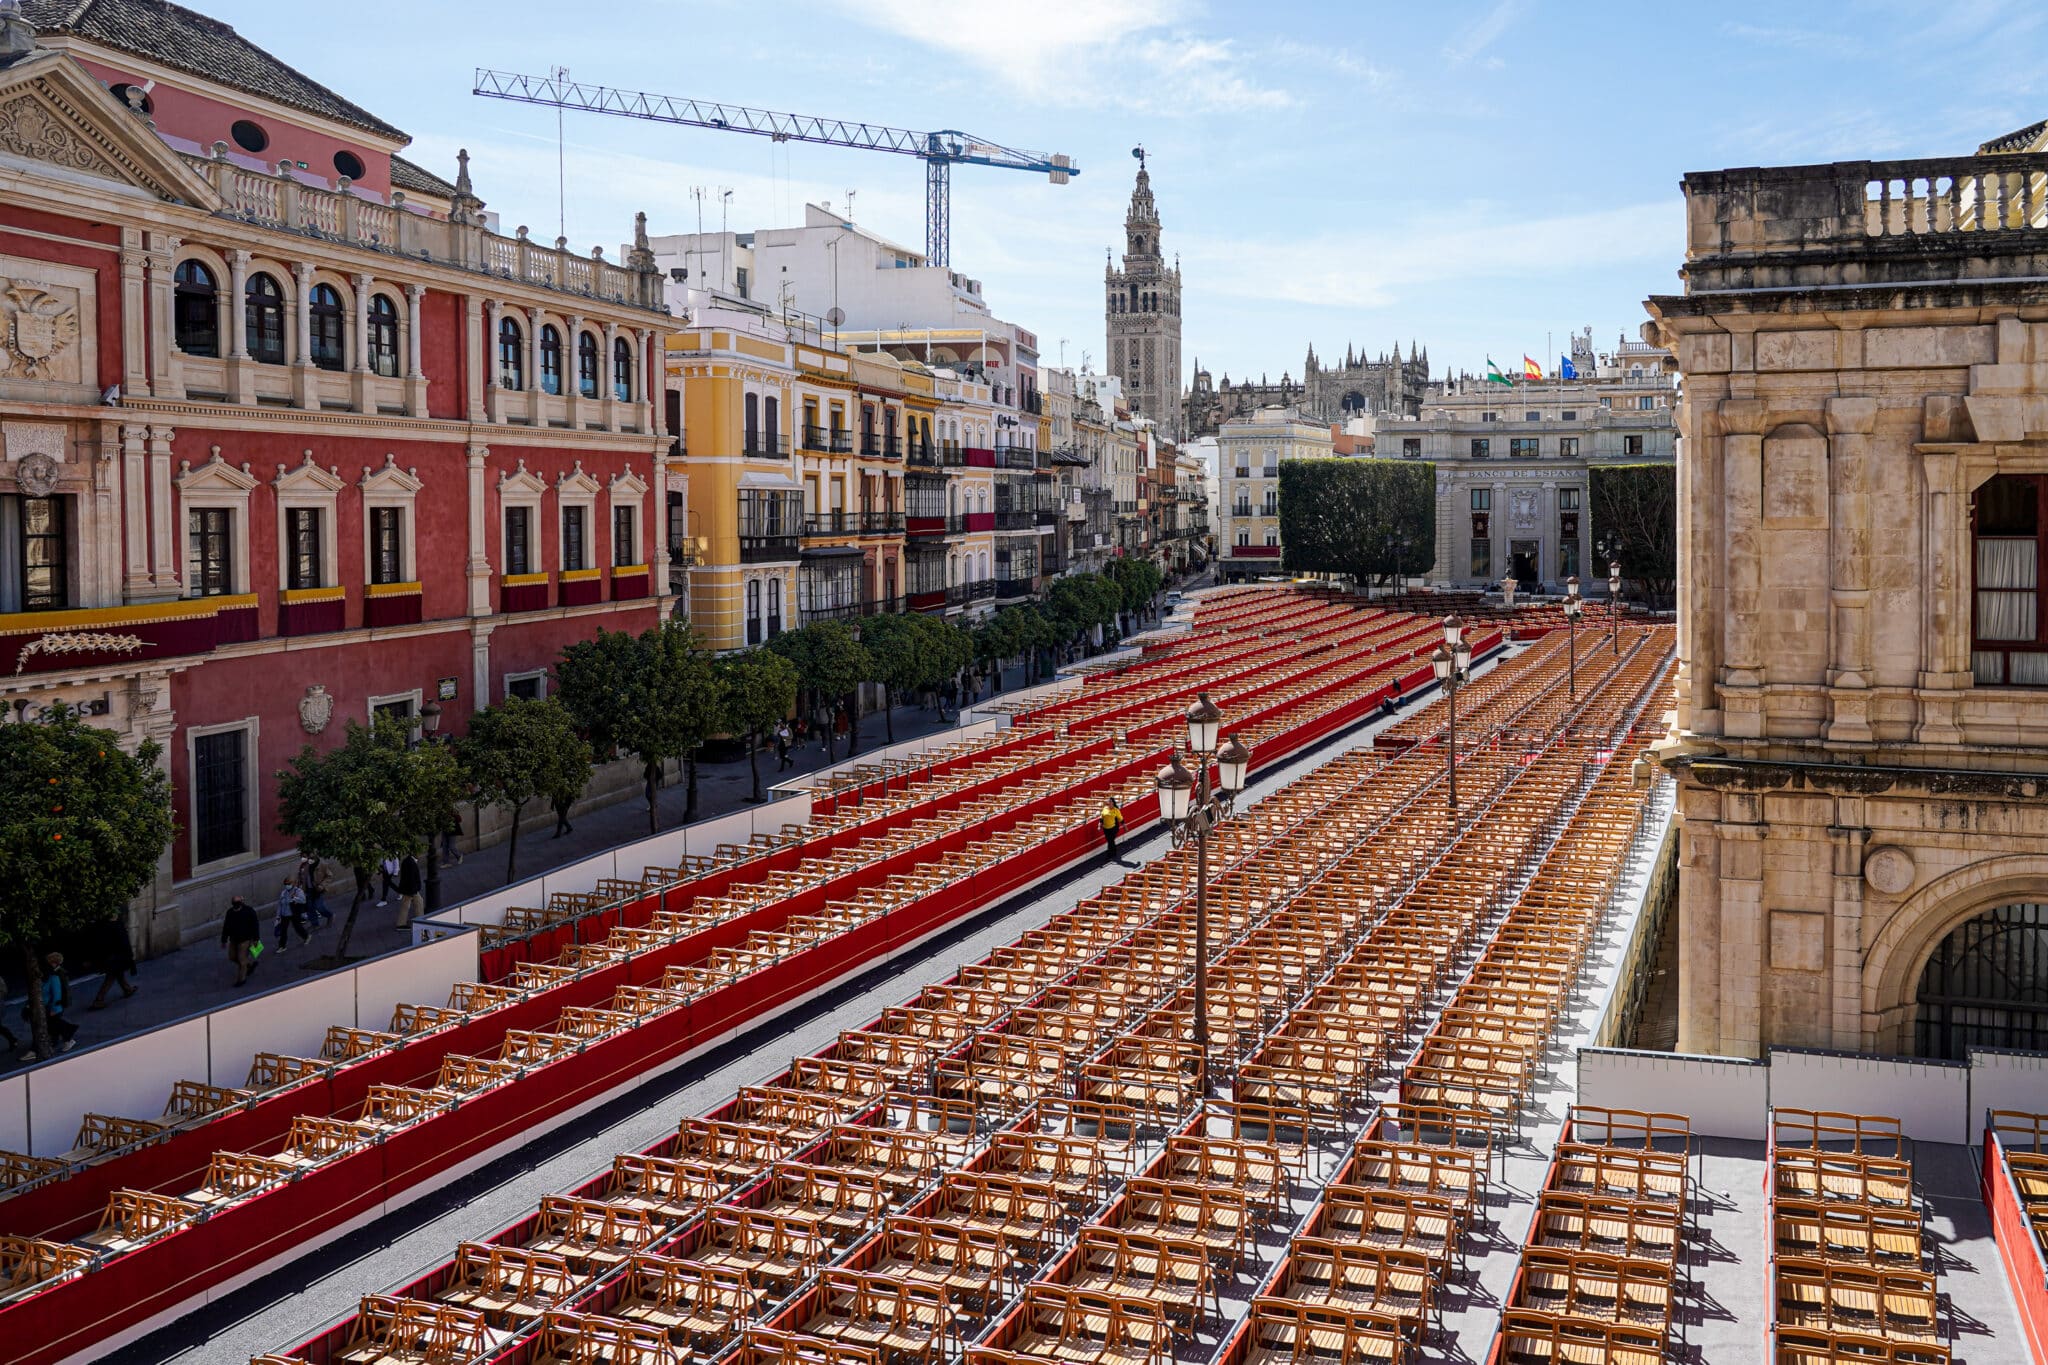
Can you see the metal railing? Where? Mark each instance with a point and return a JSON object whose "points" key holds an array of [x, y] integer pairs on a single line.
{"points": [[755, 549]]}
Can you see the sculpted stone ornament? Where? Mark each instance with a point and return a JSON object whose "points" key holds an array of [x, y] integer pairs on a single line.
{"points": [[1889, 869], [316, 708], [36, 474], [40, 328]]}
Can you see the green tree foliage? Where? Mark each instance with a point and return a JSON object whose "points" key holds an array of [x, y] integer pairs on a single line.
{"points": [[1138, 581], [756, 690], [650, 695], [1080, 602], [82, 825], [1637, 504], [831, 665], [519, 751], [911, 652], [1367, 519], [370, 799]]}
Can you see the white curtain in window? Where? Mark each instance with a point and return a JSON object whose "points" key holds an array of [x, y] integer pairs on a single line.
{"points": [[2005, 615], [2007, 563], [2027, 670]]}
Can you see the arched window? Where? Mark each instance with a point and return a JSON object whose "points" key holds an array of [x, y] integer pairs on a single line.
{"points": [[384, 336], [264, 316], [195, 309], [586, 365], [511, 355], [330, 351], [622, 370], [1986, 985], [550, 359]]}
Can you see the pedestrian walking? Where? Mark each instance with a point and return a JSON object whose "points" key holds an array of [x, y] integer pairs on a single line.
{"points": [[389, 867], [116, 958], [782, 758], [243, 937], [562, 825], [1112, 822], [313, 881], [56, 999], [450, 853], [291, 912], [410, 902]]}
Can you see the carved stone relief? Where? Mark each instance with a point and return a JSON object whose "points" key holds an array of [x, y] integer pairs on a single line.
{"points": [[47, 328], [30, 128]]}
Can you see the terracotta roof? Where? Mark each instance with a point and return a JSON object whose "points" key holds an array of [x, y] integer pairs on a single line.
{"points": [[2017, 140], [414, 178], [177, 37]]}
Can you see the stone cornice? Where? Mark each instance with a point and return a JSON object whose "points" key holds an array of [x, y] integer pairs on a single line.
{"points": [[1722, 773], [386, 426]]}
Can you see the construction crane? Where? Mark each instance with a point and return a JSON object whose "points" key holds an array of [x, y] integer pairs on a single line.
{"points": [[939, 151]]}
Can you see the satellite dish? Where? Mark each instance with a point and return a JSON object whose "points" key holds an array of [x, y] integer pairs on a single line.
{"points": [[835, 316]]}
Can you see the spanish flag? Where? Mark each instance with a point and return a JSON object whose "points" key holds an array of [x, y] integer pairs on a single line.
{"points": [[1531, 370]]}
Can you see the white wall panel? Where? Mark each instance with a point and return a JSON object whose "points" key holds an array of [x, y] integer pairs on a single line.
{"points": [[130, 1079], [2006, 1080], [14, 1114], [419, 977], [1931, 1100], [1722, 1096], [292, 1021]]}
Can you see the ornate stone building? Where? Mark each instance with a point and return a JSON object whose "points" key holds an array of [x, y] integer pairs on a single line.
{"points": [[1861, 733], [288, 437], [1388, 384], [1141, 314]]}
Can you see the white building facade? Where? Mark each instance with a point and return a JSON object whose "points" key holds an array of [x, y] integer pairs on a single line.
{"points": [[1250, 451]]}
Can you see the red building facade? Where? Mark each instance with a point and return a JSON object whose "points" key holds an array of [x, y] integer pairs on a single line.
{"points": [[288, 436]]}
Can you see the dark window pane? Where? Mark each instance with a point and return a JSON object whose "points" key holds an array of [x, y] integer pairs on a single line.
{"points": [[624, 551], [2010, 505], [586, 365], [220, 794], [330, 352], [195, 310], [511, 355], [550, 359], [45, 554], [302, 548], [384, 337], [209, 568], [518, 544], [264, 310], [572, 538], [387, 545]]}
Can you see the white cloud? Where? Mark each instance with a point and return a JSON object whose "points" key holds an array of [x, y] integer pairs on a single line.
{"points": [[1128, 54], [1476, 38]]}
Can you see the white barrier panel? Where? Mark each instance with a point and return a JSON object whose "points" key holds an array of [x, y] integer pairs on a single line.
{"points": [[581, 876], [772, 816], [129, 1079], [490, 908], [14, 1114], [1930, 1099], [704, 837], [1720, 1096], [2005, 1080], [292, 1021], [663, 850], [419, 977]]}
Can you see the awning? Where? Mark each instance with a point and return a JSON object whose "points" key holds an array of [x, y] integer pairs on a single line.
{"points": [[750, 479], [834, 552]]}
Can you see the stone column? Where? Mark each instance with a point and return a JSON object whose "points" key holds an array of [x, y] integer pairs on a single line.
{"points": [[360, 394], [478, 348], [1742, 916], [1699, 936], [164, 557], [1850, 422], [136, 578], [480, 661], [163, 263], [1742, 563], [572, 380], [134, 316], [415, 378], [608, 403], [479, 567], [494, 393], [1849, 838], [241, 370], [533, 393], [1945, 665], [305, 379], [651, 376]]}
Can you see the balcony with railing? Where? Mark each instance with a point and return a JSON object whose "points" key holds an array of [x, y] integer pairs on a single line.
{"points": [[1014, 589], [763, 445], [1015, 519], [841, 441], [921, 455], [1016, 457], [980, 457], [960, 594], [280, 200], [875, 447], [952, 455], [815, 439], [881, 523], [820, 524]]}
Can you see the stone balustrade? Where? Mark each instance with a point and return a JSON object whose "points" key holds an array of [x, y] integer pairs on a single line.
{"points": [[342, 215], [1846, 204]]}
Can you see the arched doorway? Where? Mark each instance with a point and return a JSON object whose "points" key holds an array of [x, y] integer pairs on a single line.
{"points": [[1986, 984]]}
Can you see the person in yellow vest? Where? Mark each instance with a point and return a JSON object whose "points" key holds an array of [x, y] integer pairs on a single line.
{"points": [[1112, 821]]}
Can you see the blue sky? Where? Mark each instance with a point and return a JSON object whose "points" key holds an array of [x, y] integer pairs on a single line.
{"points": [[1469, 175]]}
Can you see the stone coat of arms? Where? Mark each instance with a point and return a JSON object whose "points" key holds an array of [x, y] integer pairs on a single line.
{"points": [[40, 328], [316, 708]]}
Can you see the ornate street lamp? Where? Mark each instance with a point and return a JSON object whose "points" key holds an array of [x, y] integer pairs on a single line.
{"points": [[429, 722], [1614, 602], [1573, 607], [1452, 664], [1187, 801]]}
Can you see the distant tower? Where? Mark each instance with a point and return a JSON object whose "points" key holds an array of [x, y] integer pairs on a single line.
{"points": [[1141, 314]]}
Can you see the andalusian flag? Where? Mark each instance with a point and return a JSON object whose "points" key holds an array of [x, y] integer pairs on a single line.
{"points": [[1531, 371], [1493, 374]]}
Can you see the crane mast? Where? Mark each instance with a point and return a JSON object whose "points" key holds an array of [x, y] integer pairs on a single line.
{"points": [[940, 150]]}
